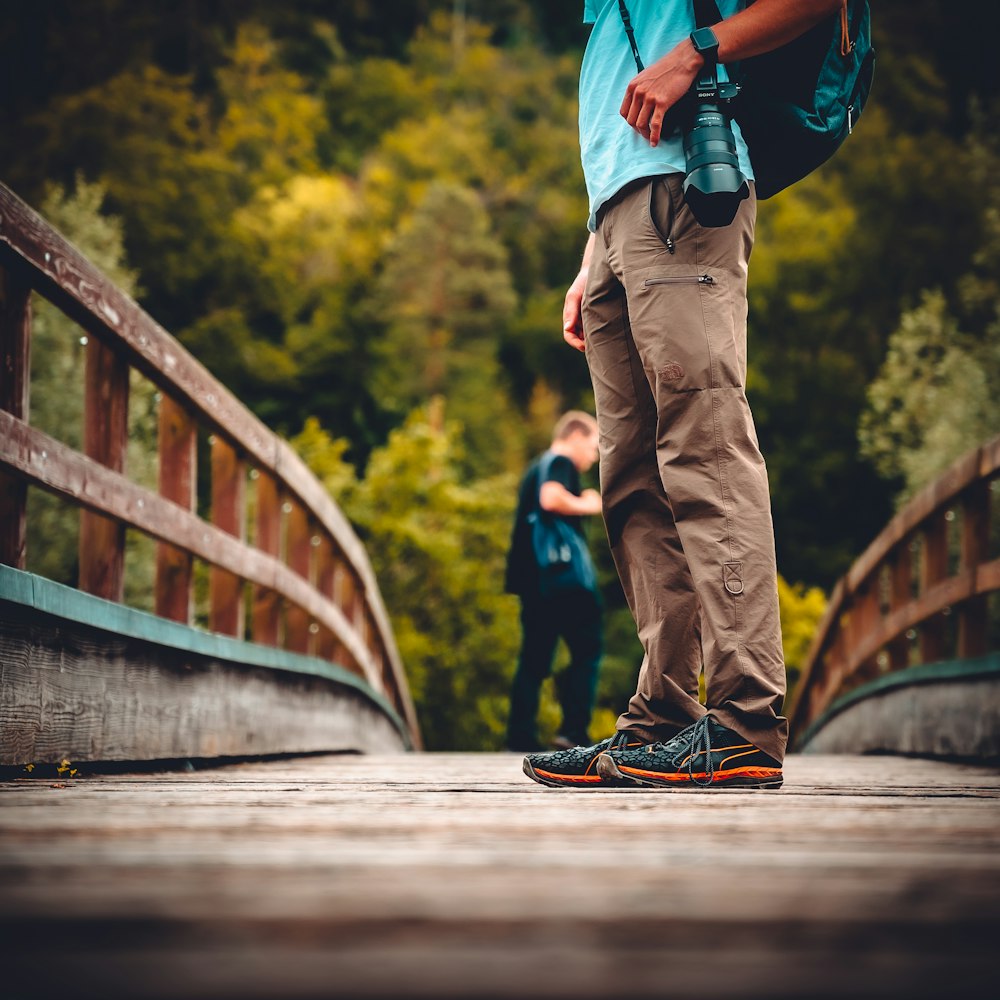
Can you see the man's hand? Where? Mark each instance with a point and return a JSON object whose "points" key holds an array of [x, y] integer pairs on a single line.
{"points": [[761, 27], [573, 312], [652, 93]]}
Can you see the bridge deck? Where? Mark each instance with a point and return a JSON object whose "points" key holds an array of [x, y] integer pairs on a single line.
{"points": [[453, 876]]}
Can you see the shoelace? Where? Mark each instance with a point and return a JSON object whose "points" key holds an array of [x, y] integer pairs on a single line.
{"points": [[619, 741], [696, 737]]}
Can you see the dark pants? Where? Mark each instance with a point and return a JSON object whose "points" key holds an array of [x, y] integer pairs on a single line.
{"points": [[576, 618]]}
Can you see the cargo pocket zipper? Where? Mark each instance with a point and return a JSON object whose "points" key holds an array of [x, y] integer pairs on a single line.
{"points": [[681, 279]]}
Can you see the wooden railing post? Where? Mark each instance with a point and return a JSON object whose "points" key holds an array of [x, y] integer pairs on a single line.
{"points": [[866, 614], [344, 596], [299, 543], [324, 642], [266, 624], [105, 437], [227, 612], [177, 482], [900, 594], [972, 615], [933, 568], [15, 385]]}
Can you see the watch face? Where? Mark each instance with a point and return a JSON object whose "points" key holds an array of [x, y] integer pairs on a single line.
{"points": [[704, 40]]}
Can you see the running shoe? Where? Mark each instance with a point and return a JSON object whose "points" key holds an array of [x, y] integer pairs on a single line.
{"points": [[576, 767], [705, 755]]}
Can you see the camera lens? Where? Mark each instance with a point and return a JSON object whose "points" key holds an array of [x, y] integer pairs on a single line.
{"points": [[714, 185]]}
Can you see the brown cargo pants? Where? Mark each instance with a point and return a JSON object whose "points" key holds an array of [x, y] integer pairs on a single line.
{"points": [[683, 481]]}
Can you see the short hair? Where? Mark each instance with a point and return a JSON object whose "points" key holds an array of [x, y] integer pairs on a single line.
{"points": [[573, 422]]}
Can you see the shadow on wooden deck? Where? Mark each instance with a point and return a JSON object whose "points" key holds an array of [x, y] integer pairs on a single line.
{"points": [[451, 875]]}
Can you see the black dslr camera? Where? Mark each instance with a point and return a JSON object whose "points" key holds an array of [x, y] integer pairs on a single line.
{"points": [[714, 185]]}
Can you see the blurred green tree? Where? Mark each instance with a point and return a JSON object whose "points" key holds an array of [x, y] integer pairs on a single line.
{"points": [[437, 544]]}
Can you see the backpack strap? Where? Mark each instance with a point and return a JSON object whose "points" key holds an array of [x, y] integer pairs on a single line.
{"points": [[846, 44], [706, 13]]}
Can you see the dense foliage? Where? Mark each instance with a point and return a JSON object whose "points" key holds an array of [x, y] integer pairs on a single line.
{"points": [[362, 217]]}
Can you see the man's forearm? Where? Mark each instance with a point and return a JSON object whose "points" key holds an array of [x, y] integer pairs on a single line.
{"points": [[761, 27], [767, 25], [554, 497]]}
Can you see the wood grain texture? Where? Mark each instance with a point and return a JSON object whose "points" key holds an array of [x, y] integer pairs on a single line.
{"points": [[227, 609], [59, 469], [105, 440], [975, 540], [177, 482], [15, 396], [453, 876], [952, 718], [298, 540], [86, 694]]}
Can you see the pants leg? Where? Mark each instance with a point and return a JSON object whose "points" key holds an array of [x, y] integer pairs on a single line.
{"points": [[679, 340], [581, 627], [644, 541], [539, 635]]}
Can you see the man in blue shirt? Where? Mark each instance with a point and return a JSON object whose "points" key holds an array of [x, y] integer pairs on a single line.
{"points": [[660, 308]]}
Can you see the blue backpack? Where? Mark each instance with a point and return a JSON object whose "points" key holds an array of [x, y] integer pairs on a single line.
{"points": [[561, 552], [799, 103]]}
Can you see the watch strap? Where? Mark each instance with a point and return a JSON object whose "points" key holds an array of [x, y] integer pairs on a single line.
{"points": [[705, 42]]}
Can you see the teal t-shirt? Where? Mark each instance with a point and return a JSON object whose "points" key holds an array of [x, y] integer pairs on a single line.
{"points": [[612, 152]]}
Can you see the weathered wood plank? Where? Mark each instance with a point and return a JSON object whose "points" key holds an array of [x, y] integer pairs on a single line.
{"points": [[15, 392], [299, 537], [78, 692], [176, 482], [933, 570], [942, 595], [25, 450], [227, 610], [83, 292], [972, 615], [900, 594], [324, 641], [451, 875], [105, 440], [981, 462], [266, 625]]}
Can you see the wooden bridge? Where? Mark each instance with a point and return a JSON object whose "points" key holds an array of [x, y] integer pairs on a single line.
{"points": [[88, 679], [452, 876], [906, 658], [305, 871]]}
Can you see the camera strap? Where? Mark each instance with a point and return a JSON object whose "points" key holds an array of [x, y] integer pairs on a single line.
{"points": [[706, 13], [630, 31]]}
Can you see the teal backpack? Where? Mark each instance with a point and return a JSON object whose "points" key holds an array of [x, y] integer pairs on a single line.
{"points": [[799, 103]]}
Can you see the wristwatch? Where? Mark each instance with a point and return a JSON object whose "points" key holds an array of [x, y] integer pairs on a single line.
{"points": [[705, 42]]}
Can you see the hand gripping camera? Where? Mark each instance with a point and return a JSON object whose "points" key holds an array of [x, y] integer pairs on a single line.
{"points": [[714, 185]]}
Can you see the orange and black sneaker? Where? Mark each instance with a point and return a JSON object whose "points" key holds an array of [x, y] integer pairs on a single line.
{"points": [[705, 755], [577, 767]]}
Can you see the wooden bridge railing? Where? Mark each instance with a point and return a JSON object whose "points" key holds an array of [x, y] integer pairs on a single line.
{"points": [[313, 590], [918, 594]]}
